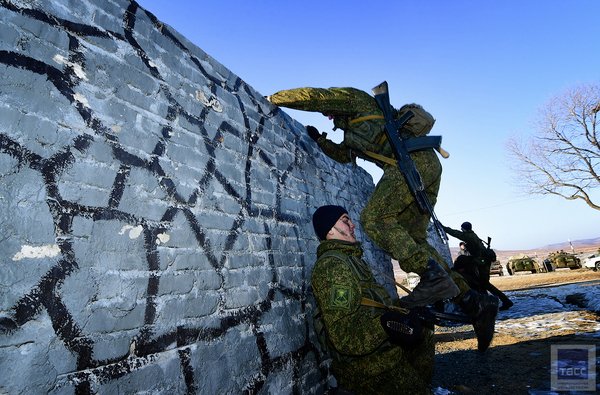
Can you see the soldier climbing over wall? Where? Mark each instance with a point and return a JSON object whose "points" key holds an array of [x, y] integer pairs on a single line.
{"points": [[391, 217], [477, 260]]}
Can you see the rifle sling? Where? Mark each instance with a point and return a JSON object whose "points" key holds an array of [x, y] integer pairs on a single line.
{"points": [[372, 303], [414, 144], [381, 158], [365, 118]]}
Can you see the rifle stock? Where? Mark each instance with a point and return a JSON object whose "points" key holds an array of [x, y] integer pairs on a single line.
{"points": [[405, 163]]}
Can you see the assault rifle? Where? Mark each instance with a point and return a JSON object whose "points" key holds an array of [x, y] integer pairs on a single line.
{"points": [[431, 315], [401, 152]]}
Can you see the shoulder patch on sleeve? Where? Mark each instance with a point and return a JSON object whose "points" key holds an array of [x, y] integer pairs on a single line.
{"points": [[340, 297]]}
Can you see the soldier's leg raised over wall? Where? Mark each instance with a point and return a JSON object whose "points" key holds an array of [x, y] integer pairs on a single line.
{"points": [[458, 279], [393, 221]]}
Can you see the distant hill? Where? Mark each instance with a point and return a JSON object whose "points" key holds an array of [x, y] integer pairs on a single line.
{"points": [[581, 247], [577, 243]]}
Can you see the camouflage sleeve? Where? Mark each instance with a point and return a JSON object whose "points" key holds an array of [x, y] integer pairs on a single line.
{"points": [[351, 329], [334, 100], [338, 152]]}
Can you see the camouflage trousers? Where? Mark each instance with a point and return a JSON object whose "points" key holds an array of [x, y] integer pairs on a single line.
{"points": [[393, 221], [410, 375]]}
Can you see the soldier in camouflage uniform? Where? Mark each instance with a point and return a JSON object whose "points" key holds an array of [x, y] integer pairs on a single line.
{"points": [[369, 357], [391, 217], [475, 258]]}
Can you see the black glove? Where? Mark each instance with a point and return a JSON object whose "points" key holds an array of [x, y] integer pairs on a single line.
{"points": [[404, 329], [313, 132]]}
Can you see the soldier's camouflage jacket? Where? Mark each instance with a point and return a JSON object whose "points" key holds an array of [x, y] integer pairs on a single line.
{"points": [[358, 115], [391, 218], [355, 331]]}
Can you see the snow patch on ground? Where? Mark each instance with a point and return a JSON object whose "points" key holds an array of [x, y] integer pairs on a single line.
{"points": [[544, 309], [547, 308]]}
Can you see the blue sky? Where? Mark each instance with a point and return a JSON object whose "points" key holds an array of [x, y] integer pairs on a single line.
{"points": [[481, 68]]}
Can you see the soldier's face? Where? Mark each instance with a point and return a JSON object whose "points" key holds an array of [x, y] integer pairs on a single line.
{"points": [[343, 229]]}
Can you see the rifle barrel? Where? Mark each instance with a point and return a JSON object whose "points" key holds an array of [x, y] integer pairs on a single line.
{"points": [[405, 163]]}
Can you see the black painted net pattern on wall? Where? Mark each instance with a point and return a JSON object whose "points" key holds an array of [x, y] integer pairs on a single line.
{"points": [[46, 296]]}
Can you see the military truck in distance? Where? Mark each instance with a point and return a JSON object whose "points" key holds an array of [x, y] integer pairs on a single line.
{"points": [[496, 268], [523, 263], [560, 260]]}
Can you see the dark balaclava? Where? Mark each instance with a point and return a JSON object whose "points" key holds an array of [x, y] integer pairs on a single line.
{"points": [[466, 226], [325, 217]]}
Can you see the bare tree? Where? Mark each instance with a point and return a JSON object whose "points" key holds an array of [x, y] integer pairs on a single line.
{"points": [[562, 155]]}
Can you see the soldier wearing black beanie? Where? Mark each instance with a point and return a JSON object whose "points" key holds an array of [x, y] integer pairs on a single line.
{"points": [[325, 217], [389, 348]]}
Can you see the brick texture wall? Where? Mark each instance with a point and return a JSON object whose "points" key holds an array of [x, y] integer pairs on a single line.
{"points": [[155, 213]]}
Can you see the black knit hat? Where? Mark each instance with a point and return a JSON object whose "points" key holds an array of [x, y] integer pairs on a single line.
{"points": [[325, 217], [466, 226]]}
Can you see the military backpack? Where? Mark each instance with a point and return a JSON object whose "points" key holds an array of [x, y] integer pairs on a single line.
{"points": [[487, 254], [367, 130]]}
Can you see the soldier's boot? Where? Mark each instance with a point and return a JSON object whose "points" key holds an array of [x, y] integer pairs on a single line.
{"points": [[435, 285], [483, 309], [506, 303]]}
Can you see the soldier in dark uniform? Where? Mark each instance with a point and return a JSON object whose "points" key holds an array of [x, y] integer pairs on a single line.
{"points": [[464, 265], [476, 260], [463, 249], [373, 349], [391, 217]]}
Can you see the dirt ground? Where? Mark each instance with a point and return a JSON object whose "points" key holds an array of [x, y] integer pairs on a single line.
{"points": [[512, 365]]}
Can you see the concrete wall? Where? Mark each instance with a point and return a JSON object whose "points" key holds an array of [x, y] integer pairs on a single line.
{"points": [[155, 213]]}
